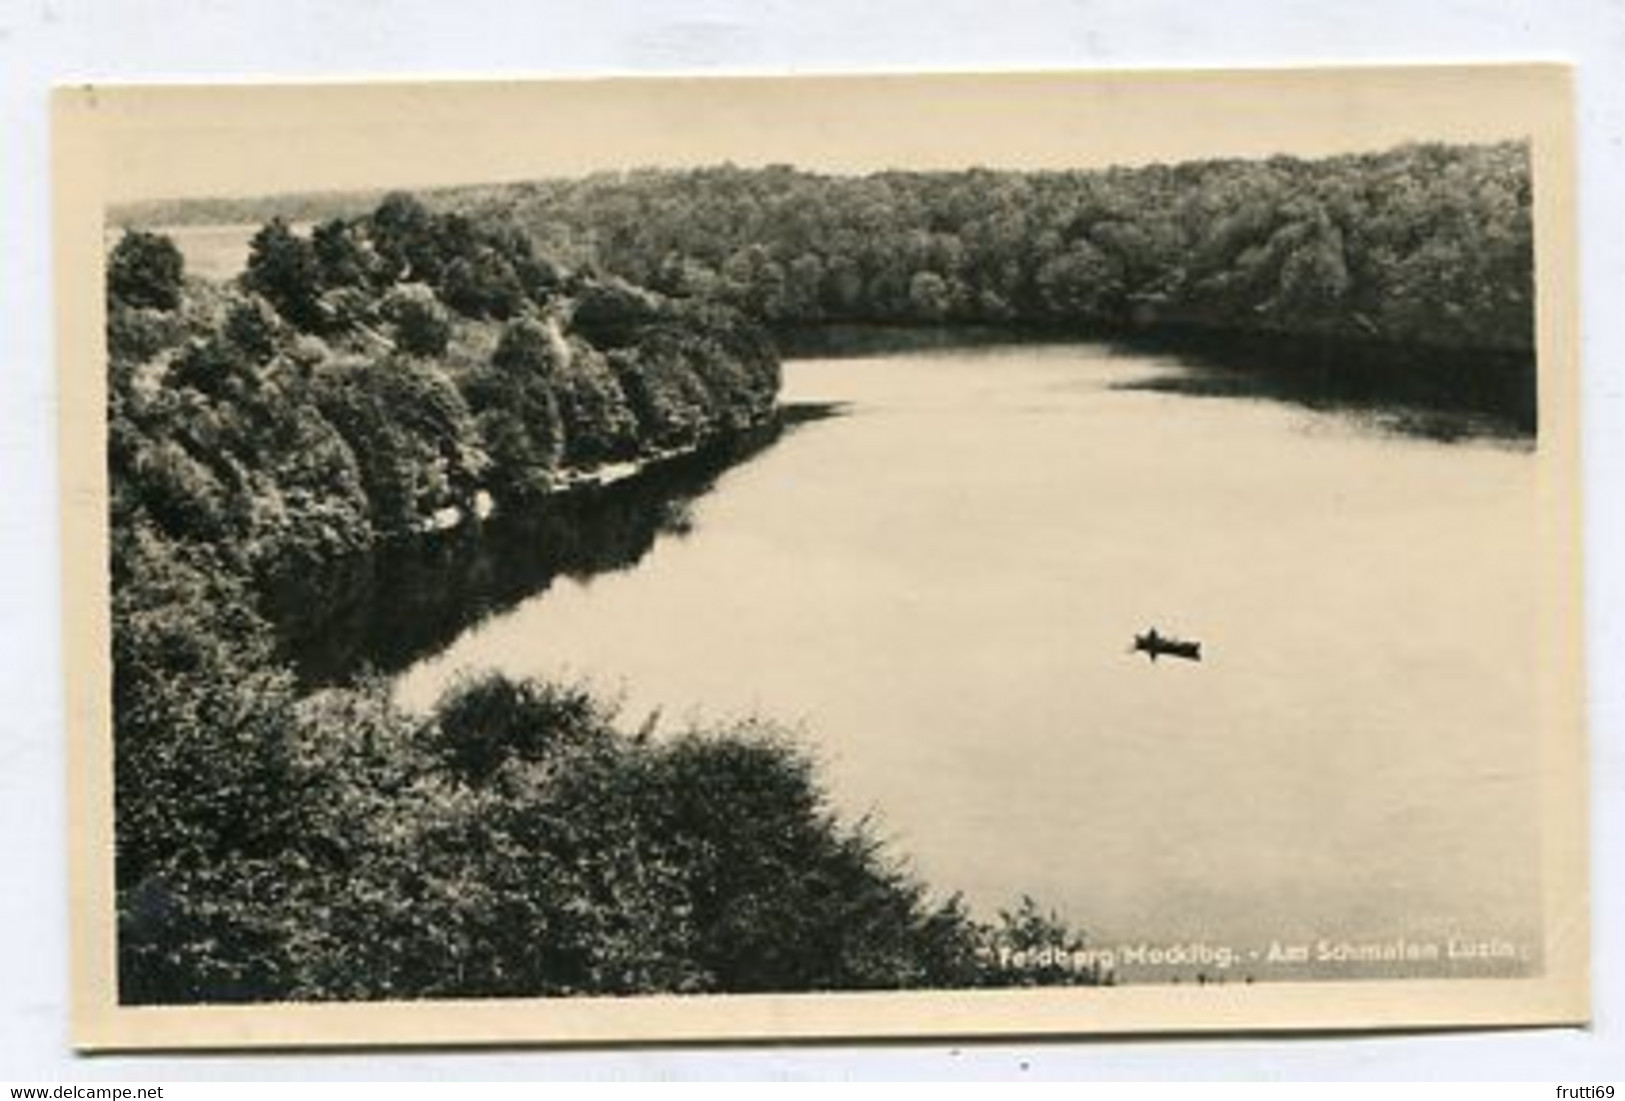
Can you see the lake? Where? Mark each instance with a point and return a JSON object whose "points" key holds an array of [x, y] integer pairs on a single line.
{"points": [[937, 587]]}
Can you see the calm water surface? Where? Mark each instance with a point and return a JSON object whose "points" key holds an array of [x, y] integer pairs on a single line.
{"points": [[939, 585]]}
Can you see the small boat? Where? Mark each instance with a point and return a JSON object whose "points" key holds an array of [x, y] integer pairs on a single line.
{"points": [[1154, 645]]}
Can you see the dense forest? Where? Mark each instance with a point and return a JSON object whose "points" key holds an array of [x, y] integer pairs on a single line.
{"points": [[1426, 244], [366, 382], [1399, 277]]}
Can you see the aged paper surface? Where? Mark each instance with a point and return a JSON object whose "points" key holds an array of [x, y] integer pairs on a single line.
{"points": [[118, 146]]}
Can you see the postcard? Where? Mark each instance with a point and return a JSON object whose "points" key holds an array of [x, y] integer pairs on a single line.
{"points": [[782, 558]]}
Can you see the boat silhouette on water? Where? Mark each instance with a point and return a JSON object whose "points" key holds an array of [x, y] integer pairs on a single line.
{"points": [[1154, 645]]}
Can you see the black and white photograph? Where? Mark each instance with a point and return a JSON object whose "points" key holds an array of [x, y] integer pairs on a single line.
{"points": [[791, 557]]}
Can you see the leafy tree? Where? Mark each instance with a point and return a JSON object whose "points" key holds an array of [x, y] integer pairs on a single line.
{"points": [[145, 270], [610, 313], [283, 267], [928, 297], [483, 284], [402, 232], [516, 403], [253, 327], [599, 425], [344, 255], [1079, 284], [419, 321], [1029, 946], [412, 435], [530, 349], [215, 366]]}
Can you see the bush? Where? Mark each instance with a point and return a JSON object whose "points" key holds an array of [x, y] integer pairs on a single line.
{"points": [[483, 723]]}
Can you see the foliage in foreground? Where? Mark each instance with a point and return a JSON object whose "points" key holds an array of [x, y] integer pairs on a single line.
{"points": [[516, 842]]}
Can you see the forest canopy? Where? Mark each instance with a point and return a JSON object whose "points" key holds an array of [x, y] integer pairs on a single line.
{"points": [[1427, 243]]}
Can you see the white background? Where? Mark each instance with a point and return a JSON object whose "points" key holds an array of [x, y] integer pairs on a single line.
{"points": [[53, 41]]}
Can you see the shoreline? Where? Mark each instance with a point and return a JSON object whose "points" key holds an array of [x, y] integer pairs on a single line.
{"points": [[604, 520], [1435, 391], [570, 482]]}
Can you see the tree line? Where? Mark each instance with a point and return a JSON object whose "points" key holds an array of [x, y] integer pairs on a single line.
{"points": [[360, 381], [354, 385], [1427, 243], [1401, 278]]}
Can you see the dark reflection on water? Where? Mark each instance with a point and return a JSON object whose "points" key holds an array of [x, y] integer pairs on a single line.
{"points": [[1440, 394], [857, 340], [381, 611]]}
